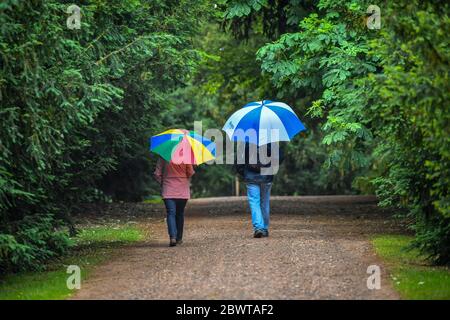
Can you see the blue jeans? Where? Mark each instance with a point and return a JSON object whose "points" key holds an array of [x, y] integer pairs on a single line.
{"points": [[259, 200], [175, 217]]}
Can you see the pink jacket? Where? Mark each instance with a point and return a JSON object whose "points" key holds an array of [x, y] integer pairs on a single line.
{"points": [[174, 179]]}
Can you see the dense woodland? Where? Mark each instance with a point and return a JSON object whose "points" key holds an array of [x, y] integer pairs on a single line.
{"points": [[77, 107]]}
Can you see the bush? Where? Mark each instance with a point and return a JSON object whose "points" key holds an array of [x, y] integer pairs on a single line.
{"points": [[32, 241]]}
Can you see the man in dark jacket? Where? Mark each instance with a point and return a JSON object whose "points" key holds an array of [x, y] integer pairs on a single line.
{"points": [[257, 166]]}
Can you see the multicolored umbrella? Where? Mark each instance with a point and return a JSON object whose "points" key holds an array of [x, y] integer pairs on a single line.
{"points": [[182, 146], [271, 122]]}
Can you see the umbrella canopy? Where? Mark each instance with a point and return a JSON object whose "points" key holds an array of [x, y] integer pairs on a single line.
{"points": [[182, 146], [271, 122]]}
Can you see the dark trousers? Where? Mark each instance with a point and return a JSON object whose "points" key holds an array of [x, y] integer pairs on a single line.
{"points": [[175, 217]]}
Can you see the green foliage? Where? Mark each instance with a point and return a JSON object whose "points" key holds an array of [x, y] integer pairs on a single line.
{"points": [[410, 102], [272, 17], [33, 241], [77, 107], [228, 79]]}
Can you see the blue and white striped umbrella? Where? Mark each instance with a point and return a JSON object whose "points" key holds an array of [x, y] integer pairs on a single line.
{"points": [[271, 122]]}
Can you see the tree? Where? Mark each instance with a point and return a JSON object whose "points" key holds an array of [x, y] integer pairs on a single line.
{"points": [[77, 107]]}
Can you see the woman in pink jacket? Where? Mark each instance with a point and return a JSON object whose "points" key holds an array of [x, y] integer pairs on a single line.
{"points": [[175, 190]]}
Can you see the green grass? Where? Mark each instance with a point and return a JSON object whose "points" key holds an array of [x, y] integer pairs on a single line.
{"points": [[114, 234], [154, 200], [411, 275], [92, 246]]}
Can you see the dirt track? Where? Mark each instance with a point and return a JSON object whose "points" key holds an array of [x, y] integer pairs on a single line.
{"points": [[318, 249]]}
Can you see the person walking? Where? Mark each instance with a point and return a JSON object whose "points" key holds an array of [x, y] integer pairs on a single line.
{"points": [[175, 191], [258, 179]]}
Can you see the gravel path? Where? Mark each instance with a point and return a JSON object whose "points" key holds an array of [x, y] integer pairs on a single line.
{"points": [[318, 249]]}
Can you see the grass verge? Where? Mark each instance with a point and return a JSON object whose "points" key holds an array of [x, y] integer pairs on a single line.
{"points": [[154, 200], [92, 246], [411, 275]]}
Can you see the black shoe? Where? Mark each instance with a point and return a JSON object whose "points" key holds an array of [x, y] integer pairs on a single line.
{"points": [[179, 241], [258, 234], [173, 243], [265, 234]]}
